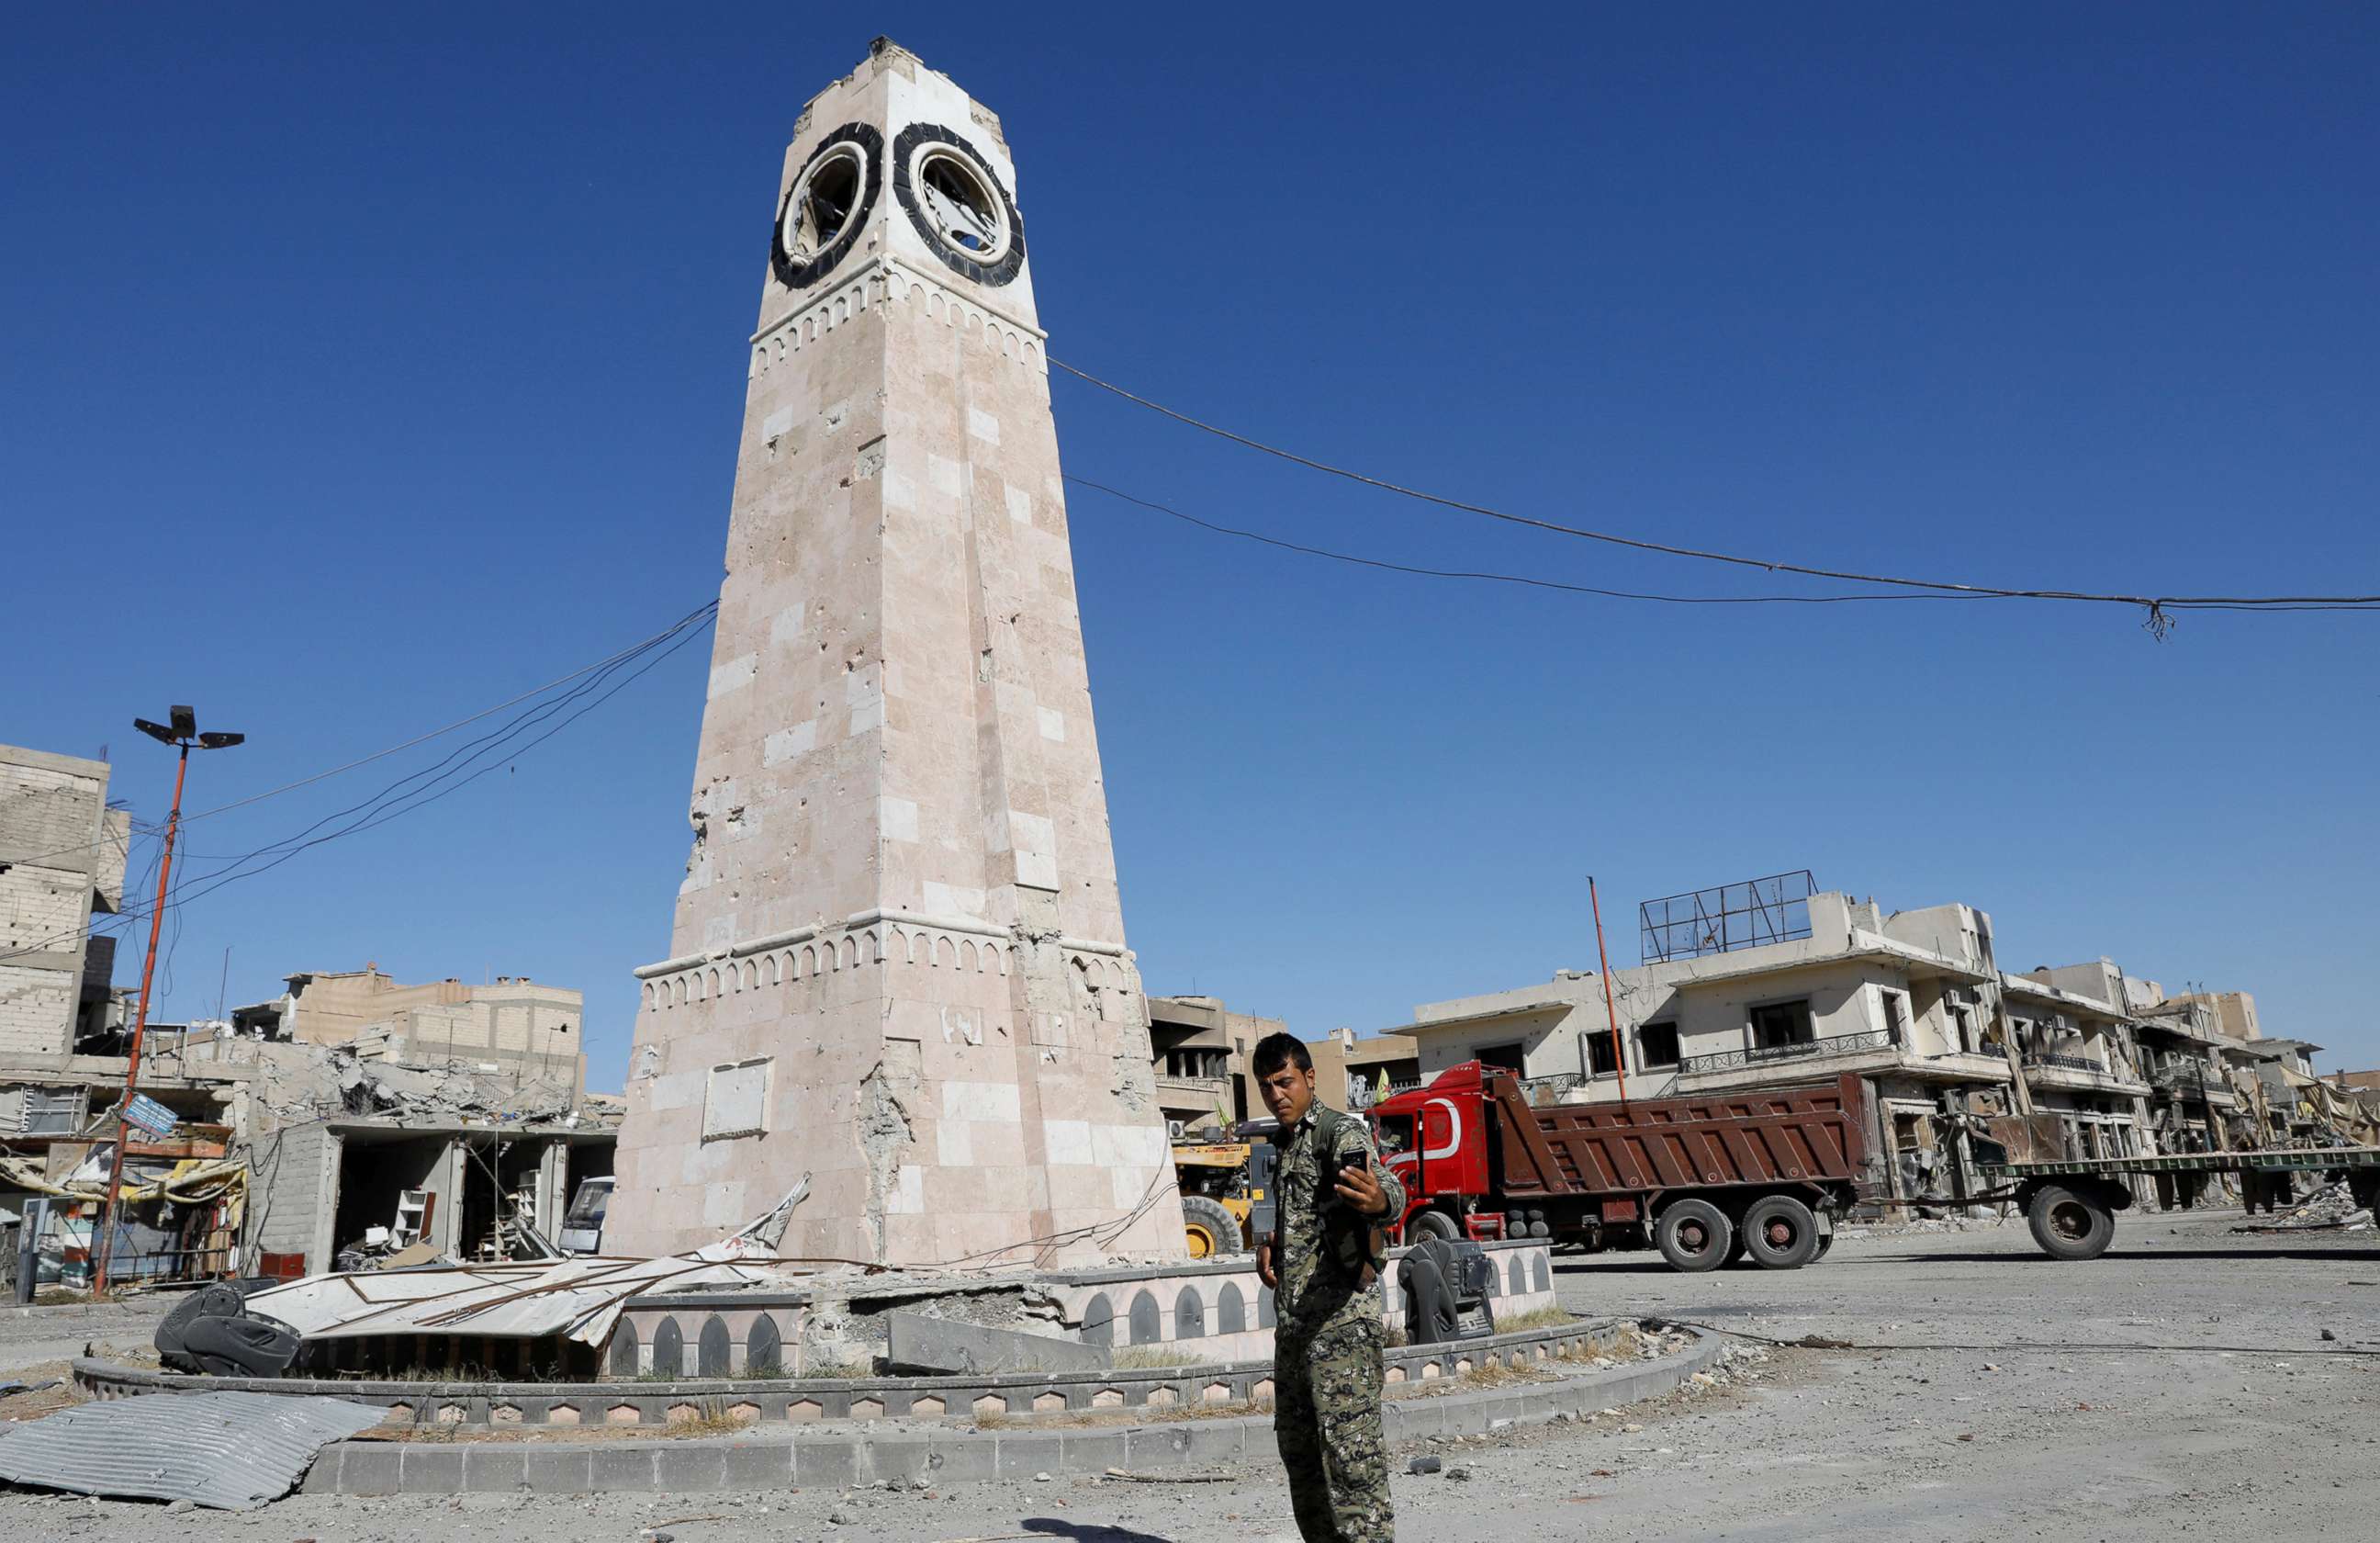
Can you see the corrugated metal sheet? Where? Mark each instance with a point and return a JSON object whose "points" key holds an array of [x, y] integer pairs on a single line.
{"points": [[579, 1297], [232, 1451]]}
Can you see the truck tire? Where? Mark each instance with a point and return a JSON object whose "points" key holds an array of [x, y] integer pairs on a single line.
{"points": [[1431, 1224], [1430, 1315], [1825, 1241], [1537, 1226], [1694, 1235], [1209, 1228], [1780, 1232], [2070, 1225]]}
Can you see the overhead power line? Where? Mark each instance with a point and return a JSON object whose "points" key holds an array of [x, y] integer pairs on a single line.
{"points": [[699, 614], [1504, 577], [475, 759], [2157, 606]]}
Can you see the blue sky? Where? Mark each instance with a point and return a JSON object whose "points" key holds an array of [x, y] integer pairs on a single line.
{"points": [[360, 371]]}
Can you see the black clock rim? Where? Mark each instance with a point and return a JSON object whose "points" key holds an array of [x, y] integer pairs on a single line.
{"points": [[1011, 262], [799, 275]]}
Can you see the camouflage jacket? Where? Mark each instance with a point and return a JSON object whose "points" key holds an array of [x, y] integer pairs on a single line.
{"points": [[1321, 1243]]}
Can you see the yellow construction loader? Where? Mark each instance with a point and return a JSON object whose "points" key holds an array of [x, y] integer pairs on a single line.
{"points": [[1227, 1194]]}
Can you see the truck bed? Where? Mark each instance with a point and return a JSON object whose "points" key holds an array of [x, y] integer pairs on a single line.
{"points": [[1810, 1134]]}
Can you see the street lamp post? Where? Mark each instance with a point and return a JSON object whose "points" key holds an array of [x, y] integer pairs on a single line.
{"points": [[182, 733]]}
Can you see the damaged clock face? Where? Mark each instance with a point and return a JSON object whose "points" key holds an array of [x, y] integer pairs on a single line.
{"points": [[827, 205], [957, 204]]}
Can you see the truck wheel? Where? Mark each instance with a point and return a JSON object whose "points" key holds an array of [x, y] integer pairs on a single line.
{"points": [[2070, 1225], [1694, 1235], [1538, 1227], [1825, 1241], [1209, 1228], [1780, 1232], [1430, 1315], [1431, 1224]]}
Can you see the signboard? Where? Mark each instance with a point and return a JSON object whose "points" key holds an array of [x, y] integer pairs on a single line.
{"points": [[150, 1116]]}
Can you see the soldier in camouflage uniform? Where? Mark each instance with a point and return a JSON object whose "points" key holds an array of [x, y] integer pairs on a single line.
{"points": [[1323, 1262]]}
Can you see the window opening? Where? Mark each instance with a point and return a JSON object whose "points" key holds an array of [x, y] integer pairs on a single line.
{"points": [[1780, 1024]]}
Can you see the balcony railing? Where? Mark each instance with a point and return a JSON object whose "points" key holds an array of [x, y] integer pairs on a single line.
{"points": [[2052, 1059], [1761, 1055], [1363, 1093]]}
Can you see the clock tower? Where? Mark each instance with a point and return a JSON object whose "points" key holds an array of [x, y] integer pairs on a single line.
{"points": [[897, 964]]}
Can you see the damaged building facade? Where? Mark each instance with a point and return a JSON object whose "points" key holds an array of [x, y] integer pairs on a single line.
{"points": [[380, 1116], [62, 857], [290, 1154]]}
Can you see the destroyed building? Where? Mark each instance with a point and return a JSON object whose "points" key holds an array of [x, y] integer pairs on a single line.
{"points": [[510, 1027], [382, 1142], [446, 1115], [62, 856]]}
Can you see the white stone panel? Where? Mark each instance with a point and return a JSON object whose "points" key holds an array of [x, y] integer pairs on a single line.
{"points": [[785, 627], [790, 744], [677, 1091], [983, 1101], [1020, 505], [897, 818], [1035, 841], [983, 426], [943, 474], [733, 674], [1054, 723], [950, 900], [722, 1204], [1070, 1142], [953, 1149]]}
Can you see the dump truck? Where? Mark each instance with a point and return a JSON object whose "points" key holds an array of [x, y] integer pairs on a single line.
{"points": [[2070, 1203], [1707, 1179]]}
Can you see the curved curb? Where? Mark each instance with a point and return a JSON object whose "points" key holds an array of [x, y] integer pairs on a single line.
{"points": [[778, 1401], [837, 1459]]}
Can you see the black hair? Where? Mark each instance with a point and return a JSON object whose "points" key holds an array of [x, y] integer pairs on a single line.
{"points": [[1276, 1051]]}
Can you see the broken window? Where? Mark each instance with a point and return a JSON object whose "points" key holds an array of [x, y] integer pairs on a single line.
{"points": [[1896, 1016], [1657, 1045], [736, 1101], [1510, 1057], [1776, 1025], [964, 213], [53, 1110], [823, 206], [1601, 1061]]}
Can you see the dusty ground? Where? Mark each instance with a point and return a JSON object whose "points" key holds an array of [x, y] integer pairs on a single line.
{"points": [[2279, 1439]]}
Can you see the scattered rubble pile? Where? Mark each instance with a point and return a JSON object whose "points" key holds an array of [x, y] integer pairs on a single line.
{"points": [[2330, 1209], [307, 1082]]}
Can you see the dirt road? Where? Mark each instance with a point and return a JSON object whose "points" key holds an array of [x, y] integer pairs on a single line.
{"points": [[2279, 1439]]}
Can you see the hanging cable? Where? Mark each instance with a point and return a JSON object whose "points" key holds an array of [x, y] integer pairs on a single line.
{"points": [[1505, 577], [2157, 606], [474, 759]]}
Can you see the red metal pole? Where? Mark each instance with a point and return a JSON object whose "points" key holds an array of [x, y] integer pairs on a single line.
{"points": [[1610, 1014], [140, 1028]]}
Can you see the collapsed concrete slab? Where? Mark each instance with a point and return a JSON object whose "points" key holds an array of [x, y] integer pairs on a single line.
{"points": [[932, 1344]]}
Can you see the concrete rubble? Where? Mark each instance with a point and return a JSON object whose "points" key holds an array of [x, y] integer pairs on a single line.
{"points": [[2329, 1209]]}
